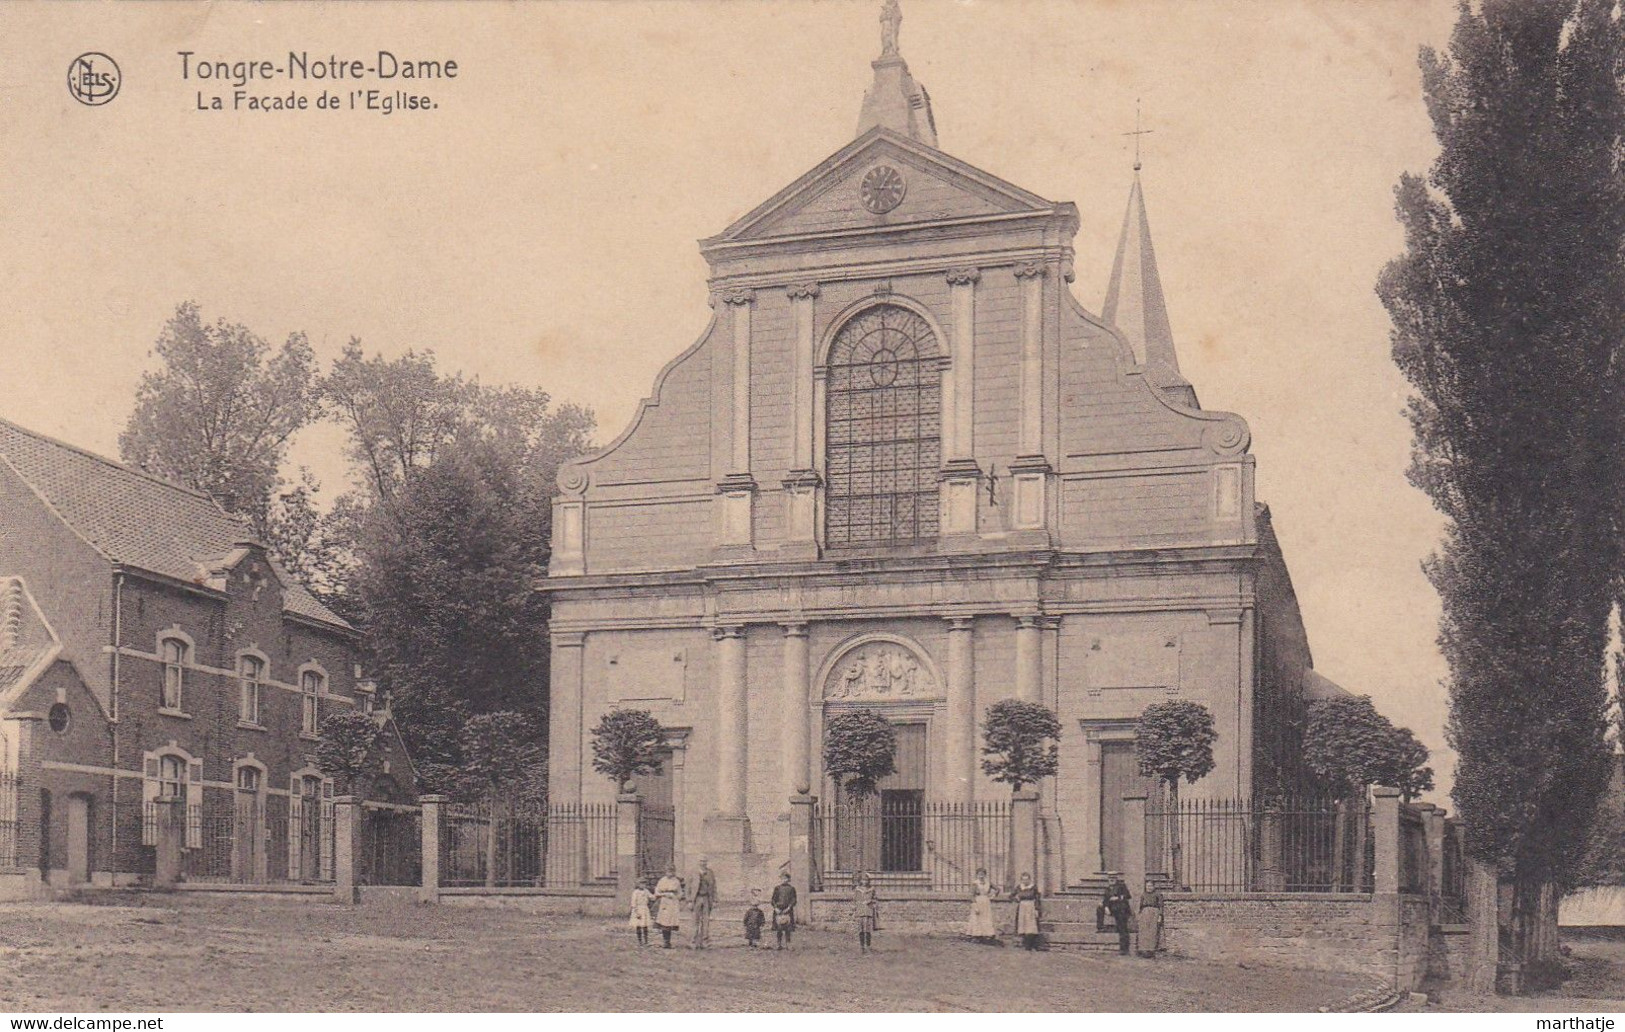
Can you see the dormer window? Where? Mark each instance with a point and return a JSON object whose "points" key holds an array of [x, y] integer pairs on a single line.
{"points": [[250, 676], [174, 660]]}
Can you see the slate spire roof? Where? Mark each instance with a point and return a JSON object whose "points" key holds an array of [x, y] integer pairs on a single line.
{"points": [[138, 520], [894, 100], [1135, 304]]}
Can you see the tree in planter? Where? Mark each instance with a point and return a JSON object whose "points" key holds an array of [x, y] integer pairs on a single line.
{"points": [[627, 743], [1018, 739], [1173, 741], [860, 748], [347, 750], [501, 754]]}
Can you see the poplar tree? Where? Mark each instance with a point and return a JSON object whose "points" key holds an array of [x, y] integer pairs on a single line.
{"points": [[1508, 310]]}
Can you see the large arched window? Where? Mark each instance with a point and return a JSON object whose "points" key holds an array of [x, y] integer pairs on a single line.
{"points": [[884, 420]]}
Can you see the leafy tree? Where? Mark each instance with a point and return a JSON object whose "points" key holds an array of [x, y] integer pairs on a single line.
{"points": [[348, 749], [1507, 311], [451, 534], [218, 414], [626, 743], [1019, 739], [1174, 740], [1405, 765], [1348, 744], [860, 748]]}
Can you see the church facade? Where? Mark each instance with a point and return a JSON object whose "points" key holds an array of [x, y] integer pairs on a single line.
{"points": [[904, 469]]}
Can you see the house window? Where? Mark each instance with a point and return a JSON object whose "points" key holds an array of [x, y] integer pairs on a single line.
{"points": [[174, 657], [883, 431], [310, 687], [248, 779], [171, 777], [165, 777], [250, 673]]}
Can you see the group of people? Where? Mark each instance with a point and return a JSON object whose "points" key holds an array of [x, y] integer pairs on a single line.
{"points": [[1117, 902], [660, 907]]}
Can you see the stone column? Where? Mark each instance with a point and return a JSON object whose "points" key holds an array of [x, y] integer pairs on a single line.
{"points": [[797, 718], [731, 720], [1029, 658], [429, 888], [801, 859], [170, 814], [1023, 835], [628, 812], [1134, 842], [564, 726], [961, 476], [1385, 818], [960, 731], [347, 849]]}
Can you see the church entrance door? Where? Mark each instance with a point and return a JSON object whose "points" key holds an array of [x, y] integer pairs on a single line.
{"points": [[1119, 776], [886, 832]]}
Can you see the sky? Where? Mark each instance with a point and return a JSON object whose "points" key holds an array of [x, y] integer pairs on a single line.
{"points": [[538, 224]]}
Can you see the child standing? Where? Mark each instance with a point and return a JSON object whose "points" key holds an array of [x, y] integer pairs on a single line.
{"points": [[865, 909], [641, 918], [755, 918]]}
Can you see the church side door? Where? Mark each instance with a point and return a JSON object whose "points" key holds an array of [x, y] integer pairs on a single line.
{"points": [[1119, 776]]}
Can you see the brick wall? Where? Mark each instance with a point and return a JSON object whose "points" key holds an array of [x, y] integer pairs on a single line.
{"points": [[1328, 932]]}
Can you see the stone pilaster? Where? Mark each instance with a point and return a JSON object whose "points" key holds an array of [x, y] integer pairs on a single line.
{"points": [[961, 476], [1029, 658], [797, 715], [802, 483], [565, 725], [731, 717], [960, 735], [429, 886], [737, 491], [1030, 471]]}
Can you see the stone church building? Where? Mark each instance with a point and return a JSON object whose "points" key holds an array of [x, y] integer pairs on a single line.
{"points": [[904, 468]]}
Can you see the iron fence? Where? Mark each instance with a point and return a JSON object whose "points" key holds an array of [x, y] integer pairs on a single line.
{"points": [[910, 845], [517, 845], [1289, 845], [253, 845], [391, 845], [9, 787]]}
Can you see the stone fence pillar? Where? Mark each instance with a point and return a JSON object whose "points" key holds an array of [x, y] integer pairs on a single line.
{"points": [[1433, 835], [347, 849], [1385, 817], [170, 814], [429, 888], [1134, 843], [1023, 835], [803, 807], [1484, 926], [628, 812]]}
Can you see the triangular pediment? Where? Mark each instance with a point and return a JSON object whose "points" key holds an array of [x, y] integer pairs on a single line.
{"points": [[830, 198]]}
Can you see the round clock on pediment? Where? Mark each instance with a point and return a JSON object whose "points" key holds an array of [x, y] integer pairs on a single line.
{"points": [[882, 189]]}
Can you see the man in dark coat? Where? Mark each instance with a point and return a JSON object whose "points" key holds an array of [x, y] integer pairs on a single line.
{"points": [[784, 910], [705, 900], [1120, 906]]}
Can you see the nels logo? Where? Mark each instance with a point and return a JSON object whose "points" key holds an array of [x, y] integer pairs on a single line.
{"points": [[93, 79]]}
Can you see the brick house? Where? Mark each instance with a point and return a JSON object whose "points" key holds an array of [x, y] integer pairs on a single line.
{"points": [[149, 647], [903, 468]]}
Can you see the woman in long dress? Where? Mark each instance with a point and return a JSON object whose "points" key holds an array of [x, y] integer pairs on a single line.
{"points": [[980, 926], [1027, 912], [669, 891], [864, 909]]}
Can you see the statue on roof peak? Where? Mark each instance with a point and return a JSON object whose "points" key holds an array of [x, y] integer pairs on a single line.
{"points": [[891, 23]]}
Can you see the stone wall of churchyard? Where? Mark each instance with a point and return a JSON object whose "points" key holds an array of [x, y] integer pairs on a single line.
{"points": [[1332, 932], [1450, 954], [921, 914]]}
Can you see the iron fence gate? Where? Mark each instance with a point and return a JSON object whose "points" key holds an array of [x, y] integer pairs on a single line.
{"points": [[657, 839], [391, 845], [906, 844]]}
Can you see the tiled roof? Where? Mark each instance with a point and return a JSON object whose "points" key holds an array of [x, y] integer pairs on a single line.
{"points": [[137, 519]]}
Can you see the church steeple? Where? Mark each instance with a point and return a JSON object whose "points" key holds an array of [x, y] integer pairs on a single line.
{"points": [[1135, 305], [894, 100]]}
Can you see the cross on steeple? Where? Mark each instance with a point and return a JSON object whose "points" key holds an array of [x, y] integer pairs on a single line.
{"points": [[1137, 133]]}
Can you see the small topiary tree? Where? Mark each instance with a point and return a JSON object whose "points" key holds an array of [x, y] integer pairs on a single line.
{"points": [[860, 748], [1347, 743], [347, 750], [1174, 741], [1019, 741], [626, 743]]}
